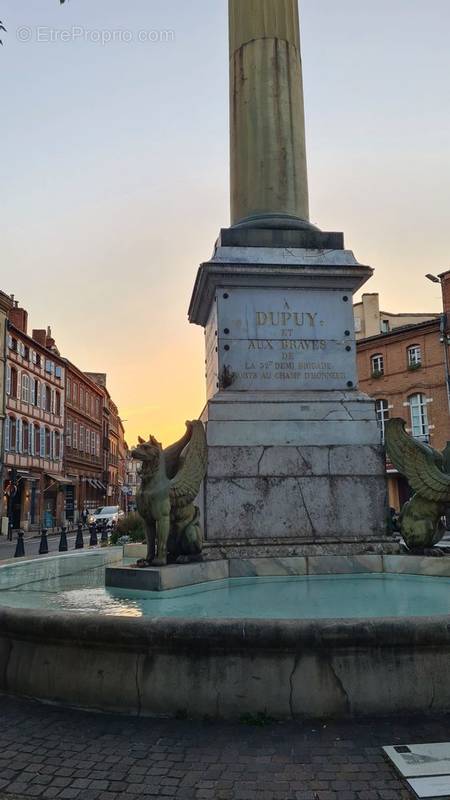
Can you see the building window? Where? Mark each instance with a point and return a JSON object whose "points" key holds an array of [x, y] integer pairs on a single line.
{"points": [[48, 443], [13, 382], [68, 389], [382, 410], [58, 372], [97, 445], [377, 365], [25, 388], [38, 359], [13, 344], [8, 379], [419, 417], [82, 438], [97, 408], [12, 434], [37, 440], [25, 437], [75, 393], [69, 432], [385, 326], [47, 398], [92, 443], [42, 442], [414, 356], [57, 448], [75, 436], [49, 366], [32, 439], [19, 447], [58, 404]]}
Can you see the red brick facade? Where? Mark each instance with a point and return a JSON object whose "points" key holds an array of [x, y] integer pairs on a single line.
{"points": [[33, 477], [405, 372], [83, 452], [54, 451]]}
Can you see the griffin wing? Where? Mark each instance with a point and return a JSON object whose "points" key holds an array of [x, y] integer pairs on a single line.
{"points": [[420, 464], [185, 486], [172, 454]]}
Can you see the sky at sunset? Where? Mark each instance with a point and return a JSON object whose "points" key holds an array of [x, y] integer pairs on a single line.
{"points": [[114, 171]]}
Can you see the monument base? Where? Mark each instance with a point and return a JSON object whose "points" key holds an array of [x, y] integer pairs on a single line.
{"points": [[295, 463], [298, 474]]}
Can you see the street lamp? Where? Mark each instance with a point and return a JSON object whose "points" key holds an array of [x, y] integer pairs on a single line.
{"points": [[432, 278]]}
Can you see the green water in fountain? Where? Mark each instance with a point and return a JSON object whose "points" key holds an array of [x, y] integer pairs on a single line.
{"points": [[289, 597]]}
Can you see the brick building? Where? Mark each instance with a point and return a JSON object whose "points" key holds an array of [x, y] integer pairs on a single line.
{"points": [[114, 448], [370, 320], [33, 479], [54, 430], [406, 371], [83, 457], [6, 304]]}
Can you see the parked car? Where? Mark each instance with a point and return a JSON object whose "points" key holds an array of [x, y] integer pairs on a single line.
{"points": [[107, 514]]}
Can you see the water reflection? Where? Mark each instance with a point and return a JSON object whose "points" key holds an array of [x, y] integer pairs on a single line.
{"points": [[314, 597]]}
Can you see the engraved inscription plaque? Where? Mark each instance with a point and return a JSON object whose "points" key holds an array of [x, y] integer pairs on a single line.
{"points": [[276, 340]]}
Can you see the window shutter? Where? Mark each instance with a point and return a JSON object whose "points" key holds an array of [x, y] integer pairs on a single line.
{"points": [[8, 379], [19, 436], [7, 434]]}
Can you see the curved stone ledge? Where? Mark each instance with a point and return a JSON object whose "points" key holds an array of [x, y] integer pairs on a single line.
{"points": [[224, 668]]}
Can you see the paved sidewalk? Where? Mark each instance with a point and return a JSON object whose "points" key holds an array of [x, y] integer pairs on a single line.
{"points": [[48, 752], [31, 543]]}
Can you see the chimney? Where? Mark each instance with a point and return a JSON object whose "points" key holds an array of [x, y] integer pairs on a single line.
{"points": [[49, 340], [40, 336], [371, 306], [19, 318], [445, 287]]}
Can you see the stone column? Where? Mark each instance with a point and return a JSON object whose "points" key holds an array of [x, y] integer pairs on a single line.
{"points": [[269, 186]]}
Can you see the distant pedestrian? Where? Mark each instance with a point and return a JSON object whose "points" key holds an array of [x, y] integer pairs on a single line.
{"points": [[84, 516]]}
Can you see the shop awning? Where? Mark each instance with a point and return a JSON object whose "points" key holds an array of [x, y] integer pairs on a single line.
{"points": [[60, 479], [94, 483]]}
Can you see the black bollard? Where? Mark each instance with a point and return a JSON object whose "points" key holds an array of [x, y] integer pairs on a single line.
{"points": [[104, 537], [63, 546], [79, 541], [20, 549], [93, 541], [43, 547]]}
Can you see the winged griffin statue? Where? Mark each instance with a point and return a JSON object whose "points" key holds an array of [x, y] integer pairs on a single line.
{"points": [[427, 473], [170, 482]]}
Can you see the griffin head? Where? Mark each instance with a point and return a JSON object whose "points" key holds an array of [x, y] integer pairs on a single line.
{"points": [[148, 452]]}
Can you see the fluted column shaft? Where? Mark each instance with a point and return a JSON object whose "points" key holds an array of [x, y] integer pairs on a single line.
{"points": [[269, 183]]}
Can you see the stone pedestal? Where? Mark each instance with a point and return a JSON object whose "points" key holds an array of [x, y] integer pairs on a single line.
{"points": [[295, 464]]}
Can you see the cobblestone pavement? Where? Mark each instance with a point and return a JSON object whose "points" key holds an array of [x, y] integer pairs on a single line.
{"points": [[48, 752]]}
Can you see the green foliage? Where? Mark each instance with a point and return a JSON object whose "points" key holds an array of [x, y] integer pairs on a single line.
{"points": [[132, 525], [376, 373], [414, 367]]}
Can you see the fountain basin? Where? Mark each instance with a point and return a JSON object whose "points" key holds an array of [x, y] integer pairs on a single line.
{"points": [[225, 667]]}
